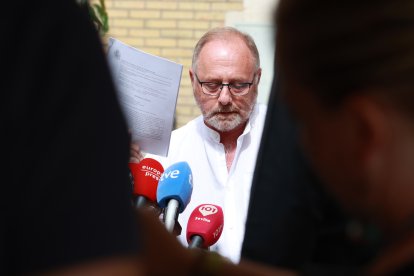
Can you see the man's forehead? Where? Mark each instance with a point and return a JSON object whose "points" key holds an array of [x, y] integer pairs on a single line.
{"points": [[226, 50], [232, 41]]}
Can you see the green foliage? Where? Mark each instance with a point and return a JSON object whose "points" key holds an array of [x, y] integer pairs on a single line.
{"points": [[98, 15]]}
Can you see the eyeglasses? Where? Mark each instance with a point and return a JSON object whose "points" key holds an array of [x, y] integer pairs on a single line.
{"points": [[214, 88]]}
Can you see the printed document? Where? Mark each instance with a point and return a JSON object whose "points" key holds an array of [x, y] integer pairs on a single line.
{"points": [[147, 91]]}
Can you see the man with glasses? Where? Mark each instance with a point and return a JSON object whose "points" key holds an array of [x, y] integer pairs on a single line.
{"points": [[221, 145]]}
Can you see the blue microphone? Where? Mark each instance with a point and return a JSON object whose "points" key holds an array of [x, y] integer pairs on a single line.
{"points": [[174, 192]]}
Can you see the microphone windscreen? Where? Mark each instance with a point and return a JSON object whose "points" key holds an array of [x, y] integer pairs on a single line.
{"points": [[206, 221], [175, 183], [146, 174]]}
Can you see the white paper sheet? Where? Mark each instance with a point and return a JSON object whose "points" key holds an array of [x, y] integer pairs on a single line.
{"points": [[147, 88]]}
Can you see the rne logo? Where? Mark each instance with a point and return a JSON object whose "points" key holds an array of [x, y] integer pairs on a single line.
{"points": [[170, 174]]}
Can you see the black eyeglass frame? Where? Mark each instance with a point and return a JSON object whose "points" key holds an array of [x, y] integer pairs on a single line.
{"points": [[229, 85]]}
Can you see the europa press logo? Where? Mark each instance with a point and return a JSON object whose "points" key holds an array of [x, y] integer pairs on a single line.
{"points": [[151, 172]]}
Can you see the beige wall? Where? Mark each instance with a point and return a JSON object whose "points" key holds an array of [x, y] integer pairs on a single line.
{"points": [[169, 29], [256, 20]]}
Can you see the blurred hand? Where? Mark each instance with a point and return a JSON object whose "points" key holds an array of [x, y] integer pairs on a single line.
{"points": [[135, 155], [177, 226], [163, 254]]}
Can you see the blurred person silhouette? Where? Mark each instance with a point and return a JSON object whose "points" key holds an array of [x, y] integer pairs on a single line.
{"points": [[346, 70], [292, 222], [62, 199]]}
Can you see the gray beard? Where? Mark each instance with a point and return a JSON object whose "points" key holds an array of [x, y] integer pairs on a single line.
{"points": [[211, 118], [224, 125]]}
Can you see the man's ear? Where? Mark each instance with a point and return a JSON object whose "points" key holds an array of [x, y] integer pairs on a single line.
{"points": [[191, 73], [259, 75], [372, 130]]}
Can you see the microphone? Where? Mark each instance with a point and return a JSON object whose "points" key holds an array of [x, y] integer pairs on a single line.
{"points": [[146, 175], [174, 192], [205, 226]]}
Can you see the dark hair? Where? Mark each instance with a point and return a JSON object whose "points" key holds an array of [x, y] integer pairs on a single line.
{"points": [[337, 48], [225, 33]]}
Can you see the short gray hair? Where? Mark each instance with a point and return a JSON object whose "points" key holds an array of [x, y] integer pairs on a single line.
{"points": [[223, 33]]}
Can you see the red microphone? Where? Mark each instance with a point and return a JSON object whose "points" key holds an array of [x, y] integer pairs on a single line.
{"points": [[146, 175], [205, 226]]}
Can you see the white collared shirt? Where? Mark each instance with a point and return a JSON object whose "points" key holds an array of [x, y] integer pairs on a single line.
{"points": [[200, 146]]}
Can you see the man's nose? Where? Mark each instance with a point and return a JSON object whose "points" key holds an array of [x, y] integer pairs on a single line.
{"points": [[225, 95]]}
